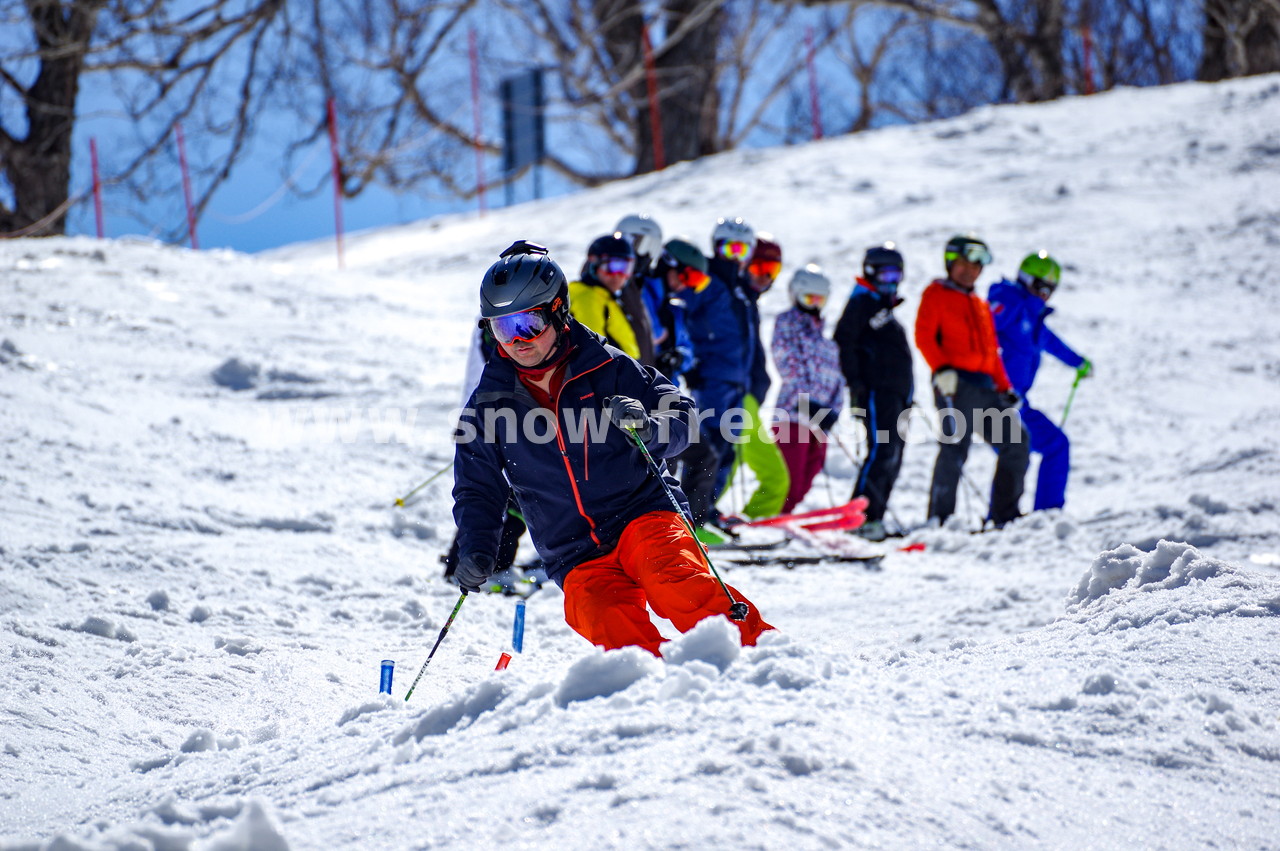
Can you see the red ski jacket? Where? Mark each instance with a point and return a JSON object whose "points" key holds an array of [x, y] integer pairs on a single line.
{"points": [[954, 330]]}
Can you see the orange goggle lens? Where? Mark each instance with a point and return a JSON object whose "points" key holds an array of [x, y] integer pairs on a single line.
{"points": [[813, 299], [766, 268], [735, 250], [694, 279]]}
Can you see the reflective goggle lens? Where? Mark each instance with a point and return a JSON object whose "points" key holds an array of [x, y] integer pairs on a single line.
{"points": [[813, 299], [616, 265], [735, 250], [888, 275], [524, 327], [694, 279], [766, 268], [979, 254]]}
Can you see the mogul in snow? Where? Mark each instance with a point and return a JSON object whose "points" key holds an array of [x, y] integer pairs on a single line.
{"points": [[956, 336], [553, 418], [1020, 310]]}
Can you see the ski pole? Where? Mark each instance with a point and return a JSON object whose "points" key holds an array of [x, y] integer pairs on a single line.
{"points": [[1070, 398], [892, 514], [400, 501], [737, 608], [444, 630]]}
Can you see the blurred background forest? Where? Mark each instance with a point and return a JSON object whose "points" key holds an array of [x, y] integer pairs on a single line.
{"points": [[241, 89]]}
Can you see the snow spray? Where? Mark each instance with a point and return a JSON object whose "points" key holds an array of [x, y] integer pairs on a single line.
{"points": [[388, 669]]}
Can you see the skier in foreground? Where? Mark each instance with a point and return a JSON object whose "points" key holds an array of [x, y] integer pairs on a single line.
{"points": [[1020, 310], [550, 416]]}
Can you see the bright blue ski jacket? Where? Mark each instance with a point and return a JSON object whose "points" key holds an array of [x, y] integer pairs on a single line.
{"points": [[1020, 327]]}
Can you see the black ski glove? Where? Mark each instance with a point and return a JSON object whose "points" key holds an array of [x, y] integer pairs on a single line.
{"points": [[1010, 399], [627, 413], [669, 362], [474, 569]]}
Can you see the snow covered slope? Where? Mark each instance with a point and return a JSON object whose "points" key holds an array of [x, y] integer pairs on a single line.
{"points": [[201, 567]]}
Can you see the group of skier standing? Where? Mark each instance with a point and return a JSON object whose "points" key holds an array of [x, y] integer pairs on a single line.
{"points": [[615, 528]]}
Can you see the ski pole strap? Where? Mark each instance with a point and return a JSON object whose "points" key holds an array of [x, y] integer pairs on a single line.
{"points": [[400, 501], [444, 630], [737, 609]]}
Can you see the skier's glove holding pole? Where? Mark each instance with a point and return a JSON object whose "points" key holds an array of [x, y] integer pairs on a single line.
{"points": [[947, 381], [627, 413], [473, 570]]}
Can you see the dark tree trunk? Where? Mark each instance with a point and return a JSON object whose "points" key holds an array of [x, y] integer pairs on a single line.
{"points": [[688, 99], [38, 168], [1240, 37]]}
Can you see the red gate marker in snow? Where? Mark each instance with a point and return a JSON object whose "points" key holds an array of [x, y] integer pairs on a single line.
{"points": [[814, 110], [97, 185], [655, 117], [337, 178], [503, 661], [474, 55], [186, 187]]}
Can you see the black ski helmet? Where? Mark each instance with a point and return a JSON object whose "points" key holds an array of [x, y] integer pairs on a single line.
{"points": [[525, 278], [879, 257], [967, 246], [612, 245]]}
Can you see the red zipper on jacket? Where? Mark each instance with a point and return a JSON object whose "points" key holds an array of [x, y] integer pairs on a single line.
{"points": [[564, 453]]}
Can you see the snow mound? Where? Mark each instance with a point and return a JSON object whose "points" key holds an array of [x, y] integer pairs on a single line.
{"points": [[605, 673], [1169, 565], [254, 830], [715, 641]]}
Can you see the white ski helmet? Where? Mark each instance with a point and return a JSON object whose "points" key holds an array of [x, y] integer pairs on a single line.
{"points": [[644, 233], [732, 230], [809, 281]]}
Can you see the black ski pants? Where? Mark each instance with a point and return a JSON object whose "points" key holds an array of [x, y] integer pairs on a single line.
{"points": [[979, 408], [884, 451]]}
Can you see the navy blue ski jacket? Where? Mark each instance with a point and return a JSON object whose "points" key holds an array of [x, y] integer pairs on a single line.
{"points": [[578, 479], [1020, 316], [716, 319]]}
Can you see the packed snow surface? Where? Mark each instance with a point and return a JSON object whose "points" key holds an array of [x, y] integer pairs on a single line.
{"points": [[201, 567]]}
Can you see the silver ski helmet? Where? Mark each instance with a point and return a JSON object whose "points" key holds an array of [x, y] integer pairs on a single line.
{"points": [[644, 233], [523, 279], [810, 287], [735, 232]]}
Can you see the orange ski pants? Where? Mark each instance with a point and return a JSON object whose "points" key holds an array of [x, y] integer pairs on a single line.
{"points": [[656, 563]]}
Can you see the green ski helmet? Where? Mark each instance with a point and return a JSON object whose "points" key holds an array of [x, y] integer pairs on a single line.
{"points": [[1040, 274], [969, 247]]}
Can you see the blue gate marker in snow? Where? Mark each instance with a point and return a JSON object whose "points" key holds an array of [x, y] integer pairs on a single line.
{"points": [[517, 629], [388, 669]]}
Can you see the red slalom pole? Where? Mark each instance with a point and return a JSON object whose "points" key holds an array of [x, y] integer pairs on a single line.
{"points": [[186, 187], [97, 185], [337, 179], [814, 109], [655, 117], [474, 55]]}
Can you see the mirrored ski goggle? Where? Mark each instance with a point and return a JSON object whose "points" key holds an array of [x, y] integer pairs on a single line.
{"points": [[975, 253], [813, 299], [886, 274], [694, 279], [734, 250], [523, 327], [615, 266], [1042, 287], [765, 268]]}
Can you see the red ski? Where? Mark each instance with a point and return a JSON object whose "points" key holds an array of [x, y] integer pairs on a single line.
{"points": [[851, 515]]}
